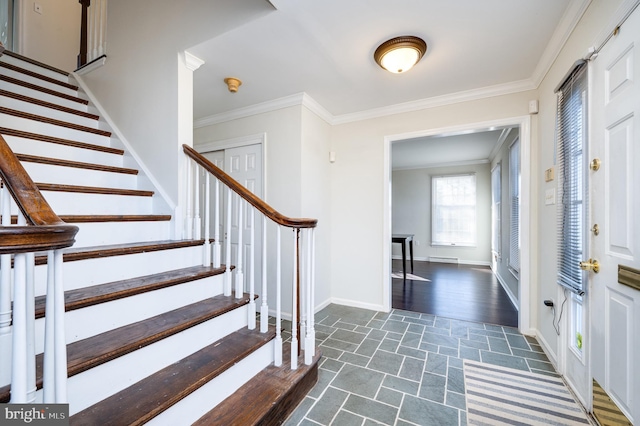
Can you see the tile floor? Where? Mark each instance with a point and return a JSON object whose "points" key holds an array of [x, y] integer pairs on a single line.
{"points": [[403, 368]]}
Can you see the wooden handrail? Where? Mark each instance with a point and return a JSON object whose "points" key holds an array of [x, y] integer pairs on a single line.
{"points": [[249, 196], [47, 230]]}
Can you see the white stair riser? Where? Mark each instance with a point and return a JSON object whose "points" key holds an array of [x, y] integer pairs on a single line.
{"points": [[35, 68], [194, 406], [49, 173], [101, 204], [90, 321], [47, 112], [89, 387], [38, 82], [21, 90], [103, 233], [88, 272], [54, 150], [33, 126]]}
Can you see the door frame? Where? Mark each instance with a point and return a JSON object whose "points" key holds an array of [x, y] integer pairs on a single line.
{"points": [[527, 243]]}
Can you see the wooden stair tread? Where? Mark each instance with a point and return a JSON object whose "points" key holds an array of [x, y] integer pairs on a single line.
{"points": [[75, 164], [93, 295], [92, 189], [52, 121], [36, 75], [43, 89], [50, 105], [44, 138], [96, 350], [34, 62], [115, 218], [143, 401], [81, 253], [274, 394]]}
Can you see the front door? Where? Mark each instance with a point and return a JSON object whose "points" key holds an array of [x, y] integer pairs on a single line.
{"points": [[615, 206]]}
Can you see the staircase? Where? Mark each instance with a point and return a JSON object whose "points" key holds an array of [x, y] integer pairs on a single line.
{"points": [[150, 334]]}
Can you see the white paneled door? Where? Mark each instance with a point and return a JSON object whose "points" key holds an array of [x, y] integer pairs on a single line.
{"points": [[615, 207]]}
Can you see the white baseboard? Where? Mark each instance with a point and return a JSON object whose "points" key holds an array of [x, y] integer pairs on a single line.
{"points": [[547, 350], [357, 304], [445, 260]]}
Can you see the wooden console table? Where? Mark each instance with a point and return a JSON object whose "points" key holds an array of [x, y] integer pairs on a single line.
{"points": [[404, 239]]}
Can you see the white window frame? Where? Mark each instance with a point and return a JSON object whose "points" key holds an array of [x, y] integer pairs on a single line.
{"points": [[514, 207], [437, 205]]}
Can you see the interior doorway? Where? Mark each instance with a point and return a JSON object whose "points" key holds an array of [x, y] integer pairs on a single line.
{"points": [[521, 123]]}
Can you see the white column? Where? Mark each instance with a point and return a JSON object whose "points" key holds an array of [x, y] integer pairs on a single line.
{"points": [[5, 273], [294, 299], [48, 371], [252, 270], [19, 369], [278, 341], [216, 228], [31, 323], [310, 338], [239, 290], [60, 341], [264, 307], [197, 223]]}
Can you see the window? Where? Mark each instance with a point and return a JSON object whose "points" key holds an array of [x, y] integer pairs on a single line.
{"points": [[453, 210], [571, 139], [496, 205], [514, 192]]}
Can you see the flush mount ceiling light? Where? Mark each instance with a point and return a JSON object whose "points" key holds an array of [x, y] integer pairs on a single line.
{"points": [[400, 54]]}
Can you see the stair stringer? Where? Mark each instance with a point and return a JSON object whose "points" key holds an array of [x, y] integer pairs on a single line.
{"points": [[163, 204]]}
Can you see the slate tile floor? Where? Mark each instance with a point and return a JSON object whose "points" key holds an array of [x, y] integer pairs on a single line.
{"points": [[403, 368]]}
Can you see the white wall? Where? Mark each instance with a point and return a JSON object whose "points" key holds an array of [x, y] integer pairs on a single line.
{"points": [[143, 86], [592, 23], [411, 214], [51, 37], [358, 189]]}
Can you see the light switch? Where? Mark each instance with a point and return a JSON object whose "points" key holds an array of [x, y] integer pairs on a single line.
{"points": [[550, 197]]}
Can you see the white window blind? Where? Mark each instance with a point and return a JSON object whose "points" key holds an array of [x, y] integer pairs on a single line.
{"points": [[453, 210], [496, 206], [571, 128], [514, 199]]}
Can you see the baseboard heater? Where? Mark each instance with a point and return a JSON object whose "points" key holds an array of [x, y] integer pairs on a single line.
{"points": [[444, 259]]}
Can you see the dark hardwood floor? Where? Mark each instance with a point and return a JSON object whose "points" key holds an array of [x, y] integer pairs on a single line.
{"points": [[465, 292]]}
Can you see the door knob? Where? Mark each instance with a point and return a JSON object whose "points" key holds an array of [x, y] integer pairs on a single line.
{"points": [[590, 265]]}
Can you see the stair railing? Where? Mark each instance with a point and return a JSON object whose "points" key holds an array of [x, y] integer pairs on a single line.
{"points": [[93, 31], [37, 228], [228, 192]]}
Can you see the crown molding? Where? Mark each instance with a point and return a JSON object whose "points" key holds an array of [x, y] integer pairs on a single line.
{"points": [[443, 165], [437, 101], [313, 106], [191, 61], [563, 31]]}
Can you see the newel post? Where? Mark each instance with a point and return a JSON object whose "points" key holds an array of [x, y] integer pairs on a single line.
{"points": [[84, 32]]}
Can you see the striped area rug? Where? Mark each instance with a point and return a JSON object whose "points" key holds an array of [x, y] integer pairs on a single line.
{"points": [[504, 396]]}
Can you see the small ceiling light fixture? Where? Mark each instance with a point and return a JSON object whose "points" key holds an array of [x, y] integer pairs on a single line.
{"points": [[233, 84], [400, 54]]}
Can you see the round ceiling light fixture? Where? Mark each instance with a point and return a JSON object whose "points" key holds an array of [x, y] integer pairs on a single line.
{"points": [[400, 54]]}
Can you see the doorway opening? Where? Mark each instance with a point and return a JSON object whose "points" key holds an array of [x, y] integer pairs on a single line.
{"points": [[464, 256]]}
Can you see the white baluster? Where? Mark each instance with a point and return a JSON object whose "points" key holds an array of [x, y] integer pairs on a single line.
{"points": [[278, 341], [240, 266], [102, 33], [93, 17], [216, 228], [294, 299], [252, 270], [60, 341], [31, 323], [5, 271], [48, 371], [310, 338], [227, 258], [197, 222], [206, 261], [189, 218], [264, 307], [19, 386]]}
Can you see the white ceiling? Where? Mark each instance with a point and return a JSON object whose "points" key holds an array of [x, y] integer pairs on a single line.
{"points": [[324, 48]]}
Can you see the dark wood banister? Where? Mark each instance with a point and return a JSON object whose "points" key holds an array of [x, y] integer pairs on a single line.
{"points": [[84, 30], [251, 198], [44, 230]]}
